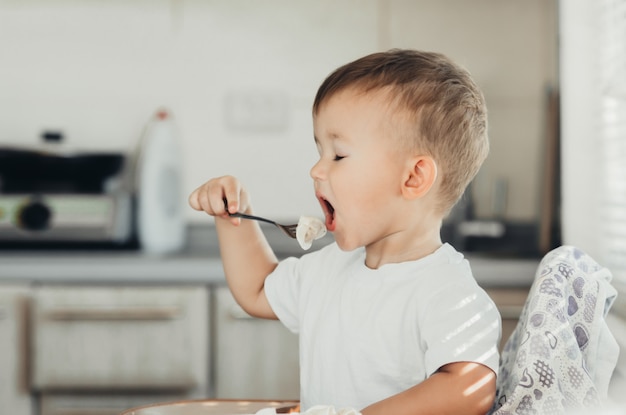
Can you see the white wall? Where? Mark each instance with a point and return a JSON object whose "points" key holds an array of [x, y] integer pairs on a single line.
{"points": [[98, 69]]}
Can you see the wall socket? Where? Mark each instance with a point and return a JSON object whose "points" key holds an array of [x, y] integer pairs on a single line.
{"points": [[256, 111]]}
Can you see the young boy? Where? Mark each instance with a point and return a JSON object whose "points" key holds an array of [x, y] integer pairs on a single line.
{"points": [[391, 320]]}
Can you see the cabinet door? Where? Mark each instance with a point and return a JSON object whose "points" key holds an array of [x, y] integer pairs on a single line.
{"points": [[254, 358], [510, 303], [14, 394], [129, 338]]}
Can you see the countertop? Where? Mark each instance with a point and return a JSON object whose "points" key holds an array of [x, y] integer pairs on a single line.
{"points": [[199, 263]]}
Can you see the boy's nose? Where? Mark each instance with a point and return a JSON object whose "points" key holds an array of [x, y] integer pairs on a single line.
{"points": [[317, 171]]}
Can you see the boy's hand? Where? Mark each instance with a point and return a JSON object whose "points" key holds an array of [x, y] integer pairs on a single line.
{"points": [[246, 256], [211, 195]]}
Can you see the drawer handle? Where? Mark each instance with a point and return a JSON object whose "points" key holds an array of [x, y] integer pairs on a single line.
{"points": [[103, 314]]}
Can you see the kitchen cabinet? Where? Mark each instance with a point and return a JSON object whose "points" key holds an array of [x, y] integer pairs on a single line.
{"points": [[510, 302], [120, 338], [15, 397], [98, 350], [254, 358]]}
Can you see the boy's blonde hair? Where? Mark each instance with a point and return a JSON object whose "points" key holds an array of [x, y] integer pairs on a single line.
{"points": [[444, 106]]}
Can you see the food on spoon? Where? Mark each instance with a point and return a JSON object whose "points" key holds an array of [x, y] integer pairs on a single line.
{"points": [[309, 228]]}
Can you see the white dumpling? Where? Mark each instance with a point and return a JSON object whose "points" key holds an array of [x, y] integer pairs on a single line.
{"points": [[309, 228]]}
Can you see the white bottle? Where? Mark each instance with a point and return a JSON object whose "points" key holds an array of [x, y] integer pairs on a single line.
{"points": [[160, 223]]}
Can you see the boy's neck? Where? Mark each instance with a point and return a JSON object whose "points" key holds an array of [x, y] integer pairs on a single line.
{"points": [[409, 244]]}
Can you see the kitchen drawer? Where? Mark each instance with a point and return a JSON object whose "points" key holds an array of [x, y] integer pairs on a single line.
{"points": [[96, 338]]}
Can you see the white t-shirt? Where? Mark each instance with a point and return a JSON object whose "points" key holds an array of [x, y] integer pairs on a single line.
{"points": [[368, 334]]}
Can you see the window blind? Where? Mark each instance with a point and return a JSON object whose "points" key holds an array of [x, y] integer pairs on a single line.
{"points": [[593, 147], [612, 70], [612, 214]]}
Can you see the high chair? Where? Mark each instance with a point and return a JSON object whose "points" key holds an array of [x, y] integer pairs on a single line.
{"points": [[560, 357]]}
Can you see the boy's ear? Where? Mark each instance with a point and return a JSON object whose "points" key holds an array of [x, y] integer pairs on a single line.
{"points": [[419, 177]]}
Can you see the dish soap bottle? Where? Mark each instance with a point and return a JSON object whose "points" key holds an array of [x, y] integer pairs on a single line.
{"points": [[160, 222]]}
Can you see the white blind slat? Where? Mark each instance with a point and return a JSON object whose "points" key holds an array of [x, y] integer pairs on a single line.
{"points": [[612, 70]]}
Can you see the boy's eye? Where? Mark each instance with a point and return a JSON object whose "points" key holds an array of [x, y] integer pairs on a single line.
{"points": [[337, 158]]}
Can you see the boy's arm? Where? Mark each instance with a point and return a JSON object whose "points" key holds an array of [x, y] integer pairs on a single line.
{"points": [[247, 259], [246, 255], [456, 388]]}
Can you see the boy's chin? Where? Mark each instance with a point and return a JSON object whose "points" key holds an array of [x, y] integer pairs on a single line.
{"points": [[346, 246]]}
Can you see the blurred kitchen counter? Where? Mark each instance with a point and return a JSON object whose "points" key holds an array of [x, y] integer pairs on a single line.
{"points": [[200, 263], [197, 263]]}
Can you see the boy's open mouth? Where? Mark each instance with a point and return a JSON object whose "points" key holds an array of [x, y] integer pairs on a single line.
{"points": [[329, 213]]}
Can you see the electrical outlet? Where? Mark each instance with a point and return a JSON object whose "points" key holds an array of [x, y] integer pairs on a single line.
{"points": [[256, 111]]}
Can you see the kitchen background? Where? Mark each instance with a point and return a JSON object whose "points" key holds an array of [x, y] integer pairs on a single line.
{"points": [[86, 332], [240, 77]]}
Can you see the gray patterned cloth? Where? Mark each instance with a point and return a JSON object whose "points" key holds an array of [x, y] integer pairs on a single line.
{"points": [[561, 356]]}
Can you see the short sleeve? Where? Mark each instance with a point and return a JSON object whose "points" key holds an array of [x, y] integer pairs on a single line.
{"points": [[462, 325], [282, 289]]}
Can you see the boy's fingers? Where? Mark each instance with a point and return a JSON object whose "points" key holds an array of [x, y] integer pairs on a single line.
{"points": [[193, 200], [199, 199], [232, 195], [218, 197], [205, 203], [227, 189], [231, 203]]}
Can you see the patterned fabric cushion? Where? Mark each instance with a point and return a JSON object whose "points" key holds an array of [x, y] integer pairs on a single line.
{"points": [[561, 354]]}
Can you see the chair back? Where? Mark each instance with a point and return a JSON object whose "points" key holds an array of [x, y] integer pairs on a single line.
{"points": [[561, 355]]}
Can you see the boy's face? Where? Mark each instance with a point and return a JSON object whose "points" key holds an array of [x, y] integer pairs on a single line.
{"points": [[359, 174]]}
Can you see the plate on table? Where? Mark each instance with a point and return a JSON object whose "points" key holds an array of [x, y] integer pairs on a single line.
{"points": [[214, 407]]}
